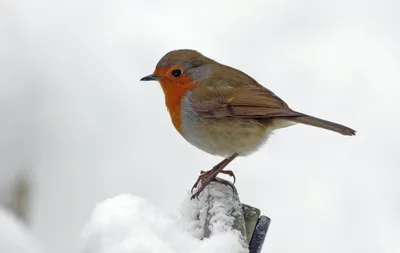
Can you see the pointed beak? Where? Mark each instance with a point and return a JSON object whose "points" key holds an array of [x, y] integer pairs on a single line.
{"points": [[151, 77]]}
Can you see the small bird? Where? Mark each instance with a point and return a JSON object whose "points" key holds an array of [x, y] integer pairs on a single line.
{"points": [[223, 111]]}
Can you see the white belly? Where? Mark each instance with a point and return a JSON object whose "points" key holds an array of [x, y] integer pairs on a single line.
{"points": [[222, 137]]}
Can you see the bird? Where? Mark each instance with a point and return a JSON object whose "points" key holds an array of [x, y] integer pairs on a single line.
{"points": [[222, 110]]}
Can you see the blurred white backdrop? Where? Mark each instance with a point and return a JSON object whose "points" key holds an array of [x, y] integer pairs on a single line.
{"points": [[77, 121]]}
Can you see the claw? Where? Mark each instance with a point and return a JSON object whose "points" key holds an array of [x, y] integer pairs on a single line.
{"points": [[208, 181], [207, 177], [229, 173], [203, 174], [195, 185]]}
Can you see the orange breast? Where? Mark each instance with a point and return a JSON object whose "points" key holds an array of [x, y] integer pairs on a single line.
{"points": [[174, 92]]}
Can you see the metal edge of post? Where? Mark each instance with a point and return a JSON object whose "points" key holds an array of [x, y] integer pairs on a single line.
{"points": [[259, 234], [251, 216]]}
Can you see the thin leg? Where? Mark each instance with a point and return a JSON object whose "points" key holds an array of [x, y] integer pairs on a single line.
{"points": [[212, 174], [203, 174]]}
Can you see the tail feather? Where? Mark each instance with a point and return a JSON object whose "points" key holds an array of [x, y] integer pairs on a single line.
{"points": [[313, 121]]}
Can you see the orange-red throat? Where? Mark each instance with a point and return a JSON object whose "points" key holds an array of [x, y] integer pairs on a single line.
{"points": [[174, 90]]}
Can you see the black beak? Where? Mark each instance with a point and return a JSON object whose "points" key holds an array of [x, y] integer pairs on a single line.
{"points": [[151, 77]]}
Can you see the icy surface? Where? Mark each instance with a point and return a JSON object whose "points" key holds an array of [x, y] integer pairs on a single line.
{"points": [[14, 236], [130, 224]]}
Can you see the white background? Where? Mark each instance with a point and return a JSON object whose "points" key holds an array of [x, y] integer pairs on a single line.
{"points": [[75, 117]]}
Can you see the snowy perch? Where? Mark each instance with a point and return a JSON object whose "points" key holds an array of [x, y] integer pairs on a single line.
{"points": [[222, 199], [216, 222]]}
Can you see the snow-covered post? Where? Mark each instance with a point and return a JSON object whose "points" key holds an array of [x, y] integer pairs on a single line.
{"points": [[215, 222], [222, 200]]}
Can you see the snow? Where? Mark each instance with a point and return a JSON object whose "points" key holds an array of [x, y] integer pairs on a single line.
{"points": [[130, 224], [15, 237]]}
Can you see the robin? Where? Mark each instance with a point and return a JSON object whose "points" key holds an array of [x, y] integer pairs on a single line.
{"points": [[222, 110]]}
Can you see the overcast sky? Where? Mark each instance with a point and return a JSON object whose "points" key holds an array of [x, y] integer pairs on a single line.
{"points": [[76, 118]]}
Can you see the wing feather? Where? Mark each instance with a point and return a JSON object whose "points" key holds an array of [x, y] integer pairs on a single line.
{"points": [[237, 95]]}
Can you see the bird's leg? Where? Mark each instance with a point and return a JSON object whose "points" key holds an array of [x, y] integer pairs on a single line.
{"points": [[203, 174], [210, 175], [229, 173], [226, 172]]}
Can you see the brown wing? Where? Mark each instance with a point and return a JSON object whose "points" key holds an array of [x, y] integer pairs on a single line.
{"points": [[237, 95]]}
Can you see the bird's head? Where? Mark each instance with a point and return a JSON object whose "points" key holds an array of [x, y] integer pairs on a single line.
{"points": [[179, 71]]}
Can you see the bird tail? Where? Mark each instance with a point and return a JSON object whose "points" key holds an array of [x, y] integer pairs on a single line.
{"points": [[313, 121]]}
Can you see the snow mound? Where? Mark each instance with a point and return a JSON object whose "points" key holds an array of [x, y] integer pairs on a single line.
{"points": [[15, 237], [130, 224]]}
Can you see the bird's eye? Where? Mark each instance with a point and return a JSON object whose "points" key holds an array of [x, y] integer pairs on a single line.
{"points": [[176, 72]]}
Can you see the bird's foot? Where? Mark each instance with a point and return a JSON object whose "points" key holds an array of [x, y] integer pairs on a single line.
{"points": [[206, 177], [204, 174], [226, 172]]}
